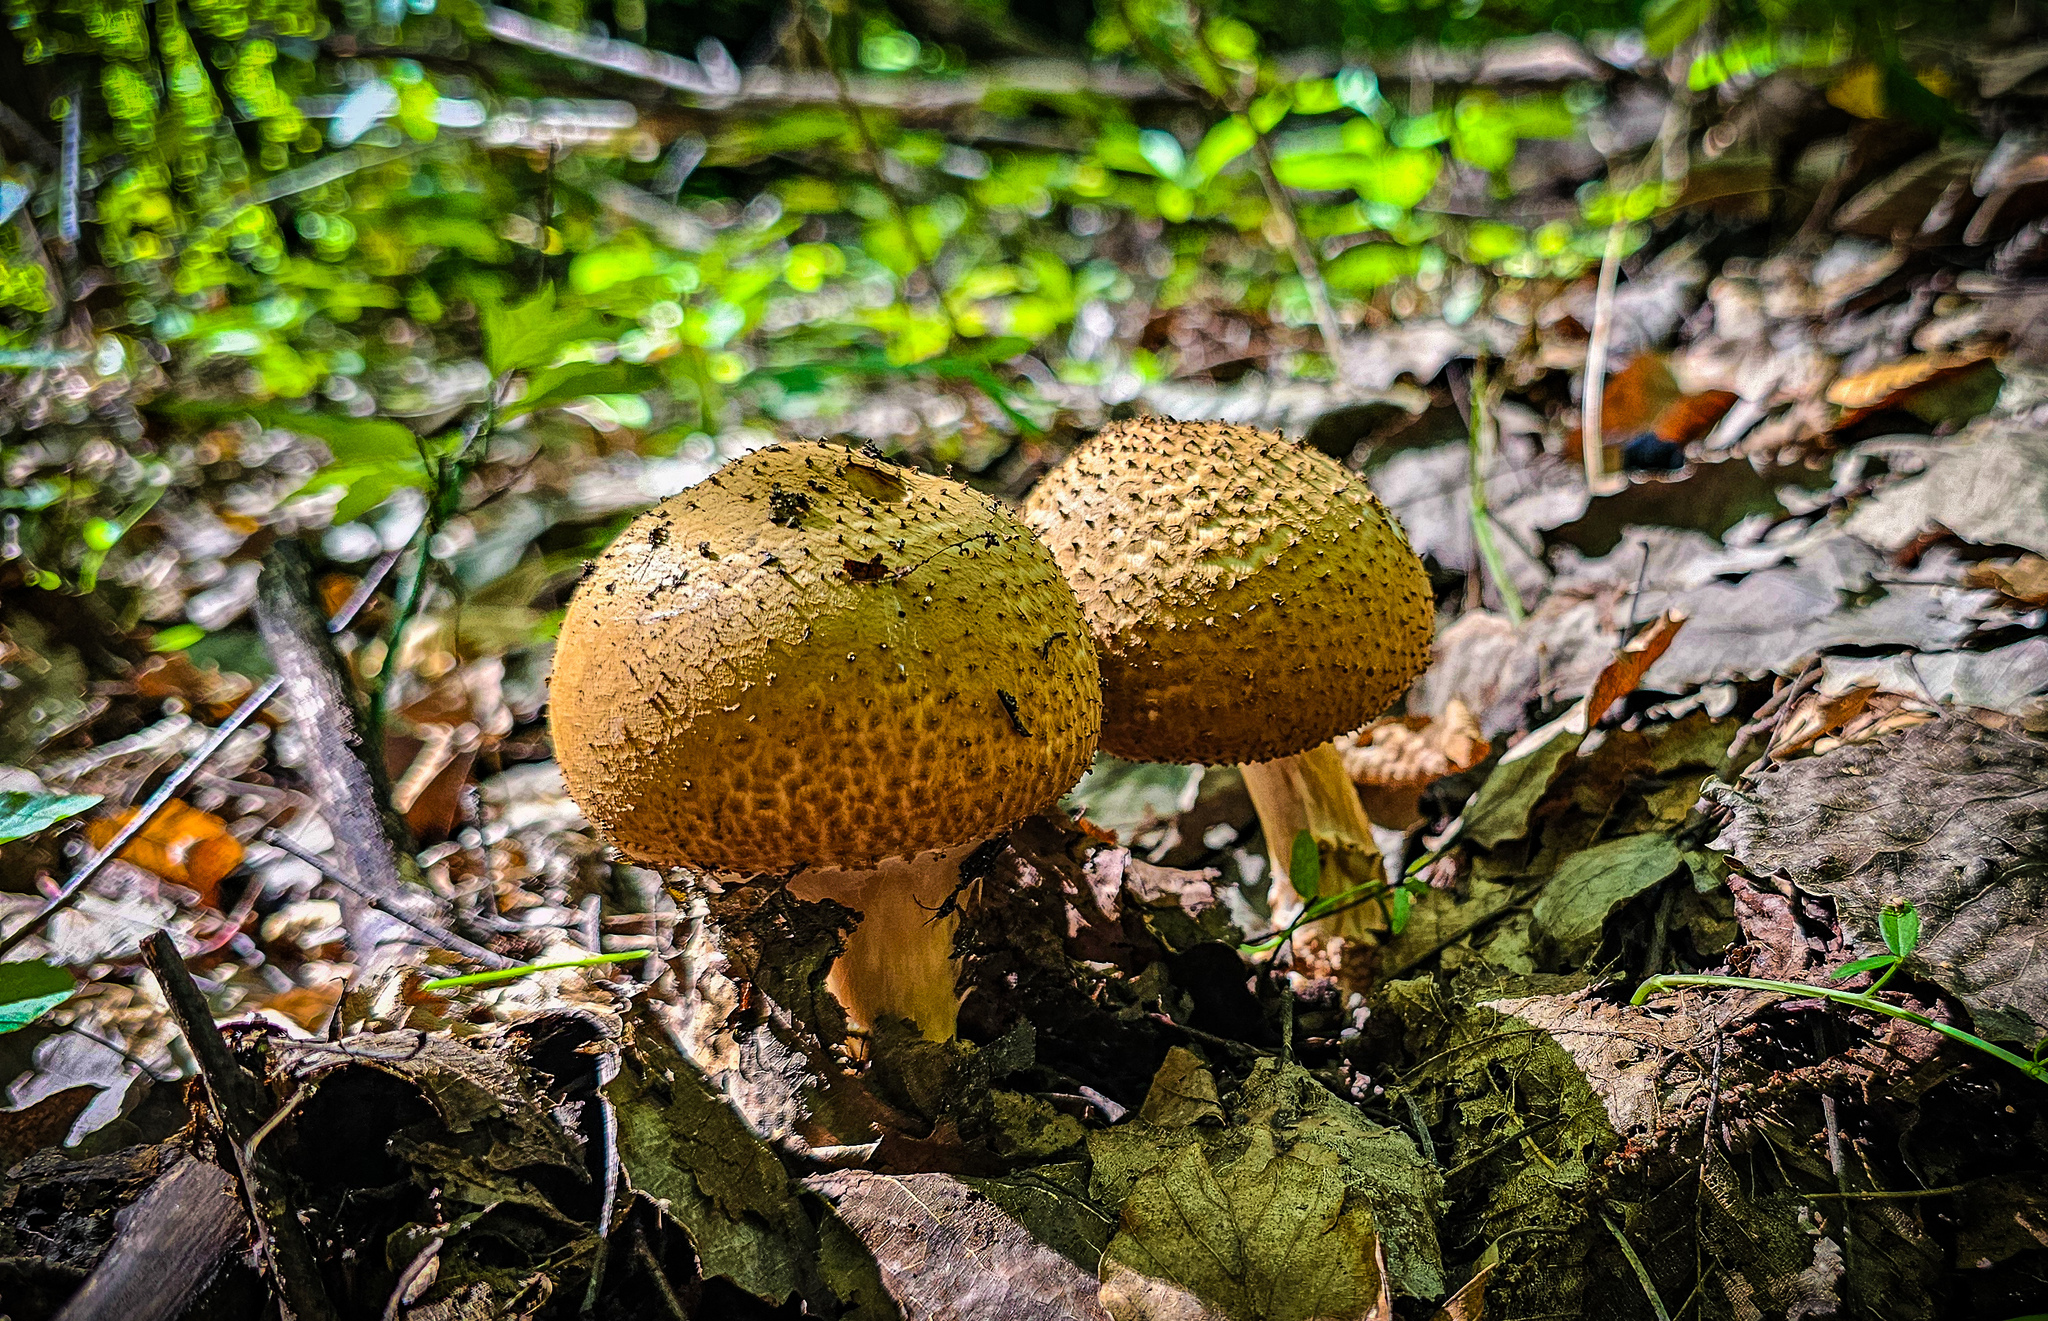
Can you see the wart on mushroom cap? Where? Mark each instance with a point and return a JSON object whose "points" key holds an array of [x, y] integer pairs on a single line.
{"points": [[1251, 600], [815, 661]]}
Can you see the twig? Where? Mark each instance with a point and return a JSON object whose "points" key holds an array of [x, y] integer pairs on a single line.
{"points": [[1480, 410], [449, 472], [1907, 1194], [69, 170], [1597, 481], [711, 74], [1305, 263], [179, 778], [238, 1104], [427, 927]]}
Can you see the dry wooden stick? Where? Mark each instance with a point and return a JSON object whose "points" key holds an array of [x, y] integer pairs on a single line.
{"points": [[384, 904], [241, 1109], [345, 771]]}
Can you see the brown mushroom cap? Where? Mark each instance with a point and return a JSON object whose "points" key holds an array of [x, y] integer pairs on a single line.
{"points": [[816, 660], [1250, 598]]}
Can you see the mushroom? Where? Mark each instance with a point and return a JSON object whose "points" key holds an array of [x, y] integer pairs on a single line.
{"points": [[819, 664], [1251, 600]]}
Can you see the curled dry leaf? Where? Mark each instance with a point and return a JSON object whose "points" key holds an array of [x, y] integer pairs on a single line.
{"points": [[2024, 580], [1394, 760]]}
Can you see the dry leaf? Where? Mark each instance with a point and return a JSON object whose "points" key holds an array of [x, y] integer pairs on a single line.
{"points": [[2024, 579], [1816, 714], [1883, 385], [308, 1006], [1392, 761], [181, 844], [1631, 663], [1469, 1303]]}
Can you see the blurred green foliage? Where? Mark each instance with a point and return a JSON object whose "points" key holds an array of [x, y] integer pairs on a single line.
{"points": [[380, 224]]}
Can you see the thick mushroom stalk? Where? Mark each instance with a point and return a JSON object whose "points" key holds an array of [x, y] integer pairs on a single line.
{"points": [[817, 664], [1251, 600], [899, 958], [1312, 791]]}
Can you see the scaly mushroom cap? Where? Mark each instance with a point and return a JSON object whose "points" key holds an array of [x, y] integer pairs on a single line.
{"points": [[815, 660], [1250, 598]]}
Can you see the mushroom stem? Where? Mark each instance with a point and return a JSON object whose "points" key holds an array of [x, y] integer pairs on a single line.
{"points": [[899, 959], [1312, 791]]}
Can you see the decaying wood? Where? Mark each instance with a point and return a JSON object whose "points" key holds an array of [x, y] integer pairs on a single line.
{"points": [[242, 1110], [168, 1246]]}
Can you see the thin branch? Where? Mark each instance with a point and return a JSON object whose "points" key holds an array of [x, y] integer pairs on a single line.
{"points": [[879, 168], [427, 927], [1480, 399]]}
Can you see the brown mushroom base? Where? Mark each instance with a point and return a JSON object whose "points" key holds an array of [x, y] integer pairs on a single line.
{"points": [[1312, 791], [899, 960]]}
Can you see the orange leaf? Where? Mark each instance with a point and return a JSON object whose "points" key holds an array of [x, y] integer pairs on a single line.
{"points": [[182, 844], [1882, 385], [1631, 663], [1693, 416]]}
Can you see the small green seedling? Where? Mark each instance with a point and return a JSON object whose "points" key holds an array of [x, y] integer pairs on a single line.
{"points": [[528, 969], [1305, 873], [1899, 925]]}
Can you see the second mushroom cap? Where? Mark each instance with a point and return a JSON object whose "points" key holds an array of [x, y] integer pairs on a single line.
{"points": [[1250, 597]]}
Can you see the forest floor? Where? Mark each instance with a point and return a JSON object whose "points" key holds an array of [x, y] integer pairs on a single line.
{"points": [[1762, 703]]}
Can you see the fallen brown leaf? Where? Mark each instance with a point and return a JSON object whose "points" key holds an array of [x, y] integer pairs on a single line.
{"points": [[2024, 579], [181, 844]]}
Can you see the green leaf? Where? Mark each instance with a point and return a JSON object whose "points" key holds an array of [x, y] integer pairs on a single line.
{"points": [[176, 638], [1305, 865], [348, 439], [24, 814], [1500, 810], [1220, 146], [368, 484], [1899, 923], [1370, 265], [530, 334], [1403, 905], [1667, 23], [1869, 963], [1593, 885], [552, 387], [31, 989]]}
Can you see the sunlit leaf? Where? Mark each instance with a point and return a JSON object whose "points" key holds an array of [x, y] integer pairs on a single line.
{"points": [[530, 333], [554, 386], [1305, 866], [1370, 265], [23, 814], [1667, 23], [1162, 151], [30, 989], [1899, 924], [1220, 146]]}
